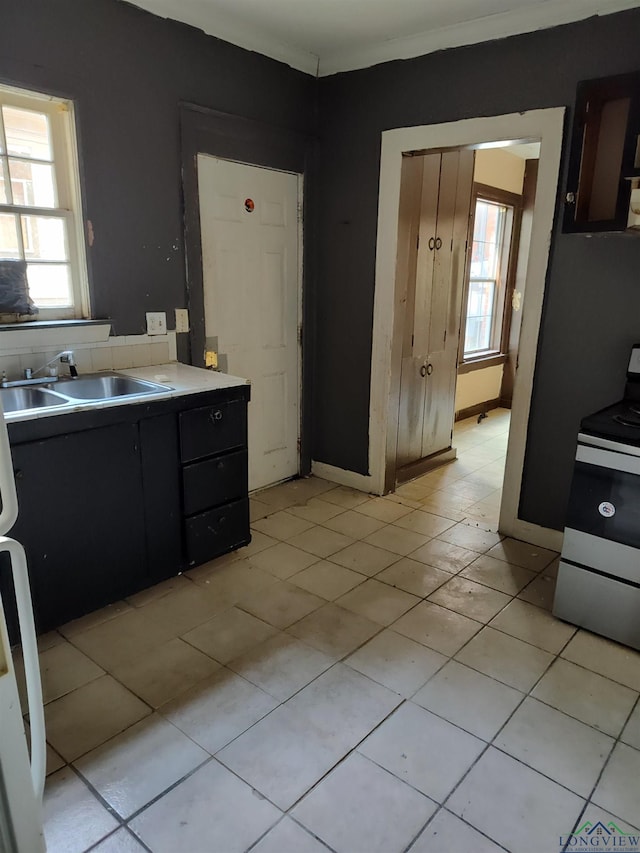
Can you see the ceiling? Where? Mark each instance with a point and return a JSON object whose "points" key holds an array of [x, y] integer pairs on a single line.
{"points": [[327, 36]]}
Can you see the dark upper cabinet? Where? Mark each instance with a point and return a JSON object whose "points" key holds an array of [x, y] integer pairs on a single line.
{"points": [[604, 154]]}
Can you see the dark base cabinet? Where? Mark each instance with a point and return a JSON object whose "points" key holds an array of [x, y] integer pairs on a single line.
{"points": [[81, 519], [216, 531], [213, 449], [112, 501]]}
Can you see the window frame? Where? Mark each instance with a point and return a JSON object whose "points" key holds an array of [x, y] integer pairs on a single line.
{"points": [[506, 279], [66, 170]]}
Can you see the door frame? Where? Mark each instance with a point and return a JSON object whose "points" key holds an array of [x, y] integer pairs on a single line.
{"points": [[254, 143], [547, 125]]}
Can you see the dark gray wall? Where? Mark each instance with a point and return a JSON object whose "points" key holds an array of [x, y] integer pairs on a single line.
{"points": [[127, 72], [592, 305]]}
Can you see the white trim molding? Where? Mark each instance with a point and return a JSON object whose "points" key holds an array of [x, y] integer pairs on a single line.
{"points": [[545, 126], [234, 29], [361, 482], [543, 537], [526, 19], [314, 56]]}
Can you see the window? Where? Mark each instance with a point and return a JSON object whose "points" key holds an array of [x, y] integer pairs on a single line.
{"points": [[495, 219], [40, 209]]}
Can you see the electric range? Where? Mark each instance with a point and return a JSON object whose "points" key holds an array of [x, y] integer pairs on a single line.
{"points": [[598, 584]]}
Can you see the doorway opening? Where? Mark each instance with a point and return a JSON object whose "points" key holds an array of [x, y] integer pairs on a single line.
{"points": [[462, 281], [545, 127], [470, 490], [501, 217]]}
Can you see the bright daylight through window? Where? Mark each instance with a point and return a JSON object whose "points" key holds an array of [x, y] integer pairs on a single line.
{"points": [[41, 242], [487, 278]]}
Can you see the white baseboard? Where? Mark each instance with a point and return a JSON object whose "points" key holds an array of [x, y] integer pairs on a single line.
{"points": [[543, 537], [361, 482]]}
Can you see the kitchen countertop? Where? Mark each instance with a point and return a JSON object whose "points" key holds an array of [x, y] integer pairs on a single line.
{"points": [[182, 379]]}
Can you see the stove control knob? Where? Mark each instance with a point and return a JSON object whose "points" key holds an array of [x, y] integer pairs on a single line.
{"points": [[607, 509]]}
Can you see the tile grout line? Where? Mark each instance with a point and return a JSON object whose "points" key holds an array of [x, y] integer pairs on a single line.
{"points": [[304, 828], [128, 831], [587, 800], [343, 659], [405, 700], [616, 741], [488, 746], [236, 604], [491, 743]]}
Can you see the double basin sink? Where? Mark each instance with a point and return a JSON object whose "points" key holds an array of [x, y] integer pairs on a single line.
{"points": [[64, 392]]}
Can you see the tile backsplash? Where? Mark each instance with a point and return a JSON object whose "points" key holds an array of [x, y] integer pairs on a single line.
{"points": [[116, 353]]}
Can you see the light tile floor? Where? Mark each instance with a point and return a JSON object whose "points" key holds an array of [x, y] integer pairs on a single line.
{"points": [[370, 674]]}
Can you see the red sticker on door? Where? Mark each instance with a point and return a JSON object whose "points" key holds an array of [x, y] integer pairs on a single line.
{"points": [[249, 205]]}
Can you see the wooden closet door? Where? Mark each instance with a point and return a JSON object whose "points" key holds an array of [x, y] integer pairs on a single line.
{"points": [[416, 232], [443, 312]]}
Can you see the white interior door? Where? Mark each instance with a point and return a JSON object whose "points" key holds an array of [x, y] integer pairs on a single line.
{"points": [[251, 276]]}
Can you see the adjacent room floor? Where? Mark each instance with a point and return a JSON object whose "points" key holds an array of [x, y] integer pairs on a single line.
{"points": [[370, 674]]}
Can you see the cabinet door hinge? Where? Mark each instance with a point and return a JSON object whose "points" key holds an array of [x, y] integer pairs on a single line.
{"points": [[300, 335]]}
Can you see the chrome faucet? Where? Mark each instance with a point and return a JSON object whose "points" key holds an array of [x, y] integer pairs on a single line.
{"points": [[66, 357]]}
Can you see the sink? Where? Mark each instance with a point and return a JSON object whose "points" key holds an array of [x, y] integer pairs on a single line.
{"points": [[18, 399], [105, 386], [94, 387]]}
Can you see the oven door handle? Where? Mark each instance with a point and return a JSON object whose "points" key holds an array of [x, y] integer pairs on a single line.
{"points": [[608, 459]]}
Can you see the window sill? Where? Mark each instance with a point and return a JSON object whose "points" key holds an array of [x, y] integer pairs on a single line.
{"points": [[479, 363]]}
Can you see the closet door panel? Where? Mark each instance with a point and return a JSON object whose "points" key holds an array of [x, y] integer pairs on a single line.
{"points": [[454, 209], [411, 394]]}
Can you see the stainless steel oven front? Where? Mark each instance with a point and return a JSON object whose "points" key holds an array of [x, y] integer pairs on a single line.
{"points": [[599, 576]]}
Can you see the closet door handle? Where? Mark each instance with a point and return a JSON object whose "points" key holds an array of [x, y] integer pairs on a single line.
{"points": [[423, 370], [432, 243], [429, 369], [438, 243]]}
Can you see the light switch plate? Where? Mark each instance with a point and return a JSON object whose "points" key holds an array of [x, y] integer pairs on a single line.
{"points": [[182, 320], [634, 361], [156, 323]]}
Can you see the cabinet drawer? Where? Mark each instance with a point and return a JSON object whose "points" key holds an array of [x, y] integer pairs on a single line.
{"points": [[212, 429], [213, 482], [217, 531]]}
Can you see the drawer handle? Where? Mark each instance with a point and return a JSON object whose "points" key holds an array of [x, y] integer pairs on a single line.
{"points": [[215, 416], [222, 520], [220, 466]]}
